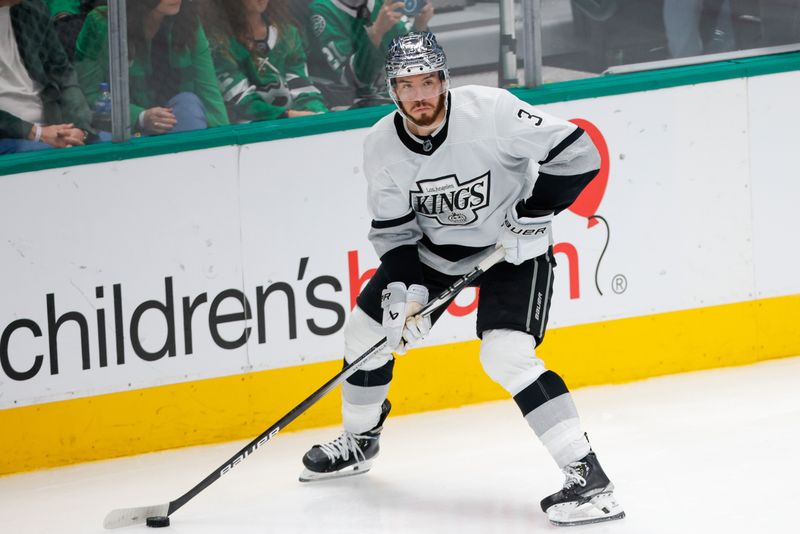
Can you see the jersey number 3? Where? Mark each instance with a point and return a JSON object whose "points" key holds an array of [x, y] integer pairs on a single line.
{"points": [[522, 114]]}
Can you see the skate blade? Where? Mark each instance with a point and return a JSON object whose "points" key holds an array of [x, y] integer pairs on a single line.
{"points": [[355, 469], [601, 507]]}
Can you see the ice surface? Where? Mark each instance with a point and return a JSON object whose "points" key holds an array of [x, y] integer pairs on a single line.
{"points": [[705, 452]]}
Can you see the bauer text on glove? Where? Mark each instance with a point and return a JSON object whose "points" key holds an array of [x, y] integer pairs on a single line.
{"points": [[525, 238]]}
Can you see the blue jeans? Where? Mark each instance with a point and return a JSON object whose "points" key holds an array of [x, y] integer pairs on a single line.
{"points": [[188, 111], [190, 114], [14, 146], [17, 146]]}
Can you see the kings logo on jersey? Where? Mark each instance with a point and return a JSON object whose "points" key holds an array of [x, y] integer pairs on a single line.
{"points": [[449, 201]]}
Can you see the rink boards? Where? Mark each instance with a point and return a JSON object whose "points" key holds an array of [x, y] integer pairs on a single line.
{"points": [[181, 299]]}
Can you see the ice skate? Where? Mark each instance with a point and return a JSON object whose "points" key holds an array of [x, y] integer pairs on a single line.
{"points": [[349, 454], [587, 496]]}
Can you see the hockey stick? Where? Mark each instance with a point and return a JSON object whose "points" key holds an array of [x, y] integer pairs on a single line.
{"points": [[124, 517]]}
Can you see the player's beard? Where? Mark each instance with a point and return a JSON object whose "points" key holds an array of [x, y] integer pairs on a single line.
{"points": [[426, 119]]}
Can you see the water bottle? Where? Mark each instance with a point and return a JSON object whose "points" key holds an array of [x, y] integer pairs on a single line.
{"points": [[102, 109]]}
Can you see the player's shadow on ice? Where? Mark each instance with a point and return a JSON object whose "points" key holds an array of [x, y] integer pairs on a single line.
{"points": [[353, 499]]}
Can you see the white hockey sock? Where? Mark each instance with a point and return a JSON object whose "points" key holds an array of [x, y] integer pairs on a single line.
{"points": [[566, 442], [364, 392], [360, 418]]}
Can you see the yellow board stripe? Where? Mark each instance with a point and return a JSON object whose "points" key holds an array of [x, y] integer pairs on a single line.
{"points": [[229, 408]]}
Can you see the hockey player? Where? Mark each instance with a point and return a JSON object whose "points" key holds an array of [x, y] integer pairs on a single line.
{"points": [[449, 181]]}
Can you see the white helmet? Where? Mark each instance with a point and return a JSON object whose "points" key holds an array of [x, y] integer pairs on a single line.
{"points": [[412, 54]]}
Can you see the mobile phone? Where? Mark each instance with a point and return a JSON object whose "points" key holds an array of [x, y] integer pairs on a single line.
{"points": [[412, 7]]}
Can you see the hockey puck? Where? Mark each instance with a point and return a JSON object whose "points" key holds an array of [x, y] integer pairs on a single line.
{"points": [[158, 521]]}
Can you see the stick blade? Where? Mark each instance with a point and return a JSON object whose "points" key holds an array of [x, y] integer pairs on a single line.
{"points": [[125, 517]]}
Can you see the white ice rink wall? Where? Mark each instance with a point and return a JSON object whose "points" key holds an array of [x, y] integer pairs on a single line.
{"points": [[197, 296]]}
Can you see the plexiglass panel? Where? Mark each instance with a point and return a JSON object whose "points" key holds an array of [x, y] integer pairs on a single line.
{"points": [[589, 36]]}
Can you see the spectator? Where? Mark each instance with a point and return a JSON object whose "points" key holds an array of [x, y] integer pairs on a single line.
{"points": [[697, 27], [260, 61], [69, 16], [173, 85], [347, 44], [41, 104]]}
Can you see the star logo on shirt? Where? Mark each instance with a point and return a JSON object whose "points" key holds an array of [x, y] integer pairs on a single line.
{"points": [[317, 24]]}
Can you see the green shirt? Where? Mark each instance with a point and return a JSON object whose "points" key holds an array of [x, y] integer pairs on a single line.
{"points": [[340, 49], [194, 67], [71, 7], [265, 83]]}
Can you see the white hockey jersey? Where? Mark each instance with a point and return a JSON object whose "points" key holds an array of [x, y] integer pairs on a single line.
{"points": [[447, 194]]}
